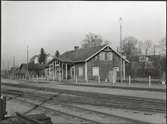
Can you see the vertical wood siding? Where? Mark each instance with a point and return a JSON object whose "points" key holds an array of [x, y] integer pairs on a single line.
{"points": [[104, 65], [80, 78]]}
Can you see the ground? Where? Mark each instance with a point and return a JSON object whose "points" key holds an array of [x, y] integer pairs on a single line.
{"points": [[14, 105]]}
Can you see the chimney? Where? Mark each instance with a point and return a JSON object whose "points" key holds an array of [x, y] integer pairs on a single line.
{"points": [[76, 47]]}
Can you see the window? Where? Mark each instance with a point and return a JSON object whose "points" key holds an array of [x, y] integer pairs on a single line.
{"points": [[80, 71], [96, 57], [102, 56], [109, 56], [95, 71], [147, 59]]}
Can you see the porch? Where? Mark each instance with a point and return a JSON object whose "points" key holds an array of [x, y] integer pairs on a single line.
{"points": [[59, 71]]}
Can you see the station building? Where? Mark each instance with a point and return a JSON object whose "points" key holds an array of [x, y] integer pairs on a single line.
{"points": [[85, 64]]}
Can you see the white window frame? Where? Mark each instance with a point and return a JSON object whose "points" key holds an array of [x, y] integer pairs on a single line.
{"points": [[80, 71], [95, 71], [102, 56], [96, 57], [110, 56]]}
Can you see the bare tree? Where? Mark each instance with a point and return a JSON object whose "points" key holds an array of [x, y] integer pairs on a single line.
{"points": [[92, 40], [134, 68], [162, 46], [130, 48], [148, 45], [140, 45]]}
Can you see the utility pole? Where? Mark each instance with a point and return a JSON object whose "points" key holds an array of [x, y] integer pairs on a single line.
{"points": [[8, 68], [27, 63], [13, 61], [14, 66], [121, 47], [154, 49], [8, 65], [121, 34]]}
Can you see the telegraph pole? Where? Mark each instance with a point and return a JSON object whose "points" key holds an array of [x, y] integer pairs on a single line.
{"points": [[8, 65], [8, 68], [120, 34], [13, 61], [14, 66], [27, 63], [154, 49], [121, 46]]}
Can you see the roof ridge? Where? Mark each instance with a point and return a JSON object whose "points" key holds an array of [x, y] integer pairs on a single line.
{"points": [[87, 48]]}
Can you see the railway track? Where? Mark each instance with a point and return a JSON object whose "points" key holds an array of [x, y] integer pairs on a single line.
{"points": [[116, 87], [116, 101], [86, 115]]}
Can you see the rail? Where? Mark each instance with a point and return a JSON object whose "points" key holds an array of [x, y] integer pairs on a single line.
{"points": [[27, 120]]}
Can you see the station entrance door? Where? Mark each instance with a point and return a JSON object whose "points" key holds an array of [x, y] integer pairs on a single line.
{"points": [[113, 75]]}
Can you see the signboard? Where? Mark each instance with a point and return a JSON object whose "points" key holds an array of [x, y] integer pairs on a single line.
{"points": [[116, 68], [57, 65]]}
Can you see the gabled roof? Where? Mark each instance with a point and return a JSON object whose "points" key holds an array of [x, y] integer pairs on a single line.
{"points": [[79, 55], [54, 58], [84, 54]]}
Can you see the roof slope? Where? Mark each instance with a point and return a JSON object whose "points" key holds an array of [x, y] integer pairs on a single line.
{"points": [[84, 54], [80, 55]]}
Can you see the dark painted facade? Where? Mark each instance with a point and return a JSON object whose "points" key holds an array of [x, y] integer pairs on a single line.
{"points": [[103, 65]]}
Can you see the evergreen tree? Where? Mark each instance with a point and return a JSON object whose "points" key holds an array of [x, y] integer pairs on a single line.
{"points": [[42, 56], [57, 54]]}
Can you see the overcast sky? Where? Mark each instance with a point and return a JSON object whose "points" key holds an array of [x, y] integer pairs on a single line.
{"points": [[61, 25]]}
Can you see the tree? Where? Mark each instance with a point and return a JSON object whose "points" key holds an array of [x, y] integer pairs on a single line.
{"points": [[148, 46], [130, 49], [140, 45], [92, 40], [57, 54], [162, 46], [42, 56], [134, 68], [163, 67]]}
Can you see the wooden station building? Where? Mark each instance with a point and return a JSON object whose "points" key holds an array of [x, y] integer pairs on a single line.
{"points": [[85, 64]]}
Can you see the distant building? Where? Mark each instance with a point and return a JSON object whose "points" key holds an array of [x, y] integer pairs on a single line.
{"points": [[101, 62], [34, 70], [13, 72], [149, 65]]}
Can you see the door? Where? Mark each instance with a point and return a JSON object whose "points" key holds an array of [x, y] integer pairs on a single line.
{"points": [[113, 76], [72, 73], [110, 76]]}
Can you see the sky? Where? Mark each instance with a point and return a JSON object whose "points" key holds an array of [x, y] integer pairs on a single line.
{"points": [[61, 25]]}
